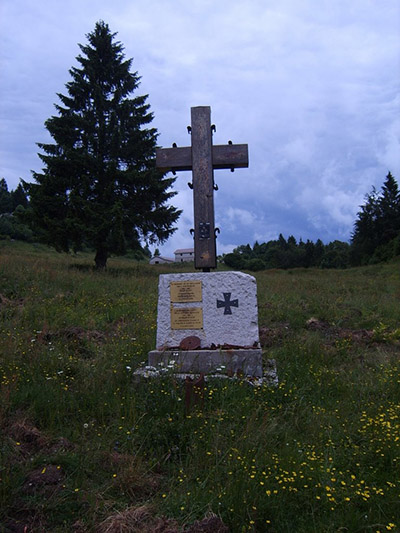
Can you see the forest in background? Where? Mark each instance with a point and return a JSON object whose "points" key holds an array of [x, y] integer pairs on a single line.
{"points": [[375, 238]]}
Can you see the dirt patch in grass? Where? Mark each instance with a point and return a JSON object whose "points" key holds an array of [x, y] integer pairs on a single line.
{"points": [[131, 475], [25, 522], [80, 340], [138, 520], [23, 515], [210, 524], [5, 302], [72, 333], [26, 436], [273, 336], [144, 520], [45, 479], [29, 440], [334, 332]]}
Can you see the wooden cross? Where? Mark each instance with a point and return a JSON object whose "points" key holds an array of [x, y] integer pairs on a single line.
{"points": [[202, 158]]}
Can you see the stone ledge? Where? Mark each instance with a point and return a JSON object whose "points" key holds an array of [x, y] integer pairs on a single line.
{"points": [[269, 377], [247, 362]]}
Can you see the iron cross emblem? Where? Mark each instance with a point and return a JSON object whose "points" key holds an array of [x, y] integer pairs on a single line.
{"points": [[227, 303]]}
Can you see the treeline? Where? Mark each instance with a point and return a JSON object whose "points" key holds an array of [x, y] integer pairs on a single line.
{"points": [[376, 238], [289, 253], [14, 213], [376, 235]]}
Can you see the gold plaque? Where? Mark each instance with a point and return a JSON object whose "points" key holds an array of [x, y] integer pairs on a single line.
{"points": [[185, 291], [186, 318]]}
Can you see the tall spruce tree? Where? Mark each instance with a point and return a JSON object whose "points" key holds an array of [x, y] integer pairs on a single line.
{"points": [[377, 225], [100, 186], [389, 209], [5, 197]]}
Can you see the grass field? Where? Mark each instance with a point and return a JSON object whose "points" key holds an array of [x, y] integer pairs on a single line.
{"points": [[85, 448]]}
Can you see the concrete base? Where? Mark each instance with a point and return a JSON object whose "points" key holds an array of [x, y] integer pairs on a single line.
{"points": [[247, 362]]}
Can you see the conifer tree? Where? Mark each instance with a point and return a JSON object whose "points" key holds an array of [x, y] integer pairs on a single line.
{"points": [[18, 197], [377, 224], [100, 186], [389, 209], [5, 197]]}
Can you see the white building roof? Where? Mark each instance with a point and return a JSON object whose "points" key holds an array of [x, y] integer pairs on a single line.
{"points": [[162, 259], [184, 251]]}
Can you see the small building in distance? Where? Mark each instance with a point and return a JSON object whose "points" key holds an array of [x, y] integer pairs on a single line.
{"points": [[184, 254], [160, 260]]}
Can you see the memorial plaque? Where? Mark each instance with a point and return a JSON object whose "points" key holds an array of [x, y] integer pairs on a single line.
{"points": [[185, 291], [186, 318]]}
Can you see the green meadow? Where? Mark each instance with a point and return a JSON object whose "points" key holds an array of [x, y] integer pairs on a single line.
{"points": [[84, 447]]}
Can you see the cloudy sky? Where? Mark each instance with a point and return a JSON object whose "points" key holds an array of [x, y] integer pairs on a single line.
{"points": [[313, 87]]}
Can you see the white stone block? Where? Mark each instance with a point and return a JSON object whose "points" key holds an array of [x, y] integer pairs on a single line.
{"points": [[225, 309]]}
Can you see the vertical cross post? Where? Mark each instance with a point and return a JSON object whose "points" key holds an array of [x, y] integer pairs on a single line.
{"points": [[203, 189]]}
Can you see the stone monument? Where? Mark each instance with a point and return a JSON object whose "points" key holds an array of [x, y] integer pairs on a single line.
{"points": [[208, 321]]}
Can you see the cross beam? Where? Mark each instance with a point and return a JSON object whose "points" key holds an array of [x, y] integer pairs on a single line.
{"points": [[202, 158]]}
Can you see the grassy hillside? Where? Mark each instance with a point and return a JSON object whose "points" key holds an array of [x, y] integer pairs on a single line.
{"points": [[85, 448]]}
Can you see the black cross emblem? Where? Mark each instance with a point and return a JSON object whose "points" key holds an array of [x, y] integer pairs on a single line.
{"points": [[227, 303]]}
